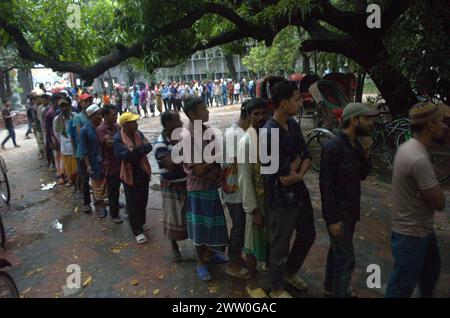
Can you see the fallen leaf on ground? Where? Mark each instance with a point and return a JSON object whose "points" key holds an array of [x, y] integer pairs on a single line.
{"points": [[115, 250], [212, 289], [142, 293], [134, 282], [38, 270], [26, 291], [31, 273], [156, 292], [361, 237], [76, 209], [87, 281], [161, 276]]}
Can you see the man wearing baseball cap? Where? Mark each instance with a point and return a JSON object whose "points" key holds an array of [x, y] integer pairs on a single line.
{"points": [[345, 162], [90, 154], [416, 194], [131, 146], [78, 122]]}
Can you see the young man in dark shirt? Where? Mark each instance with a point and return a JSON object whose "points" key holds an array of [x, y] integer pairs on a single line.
{"points": [[9, 124], [344, 163], [287, 198]]}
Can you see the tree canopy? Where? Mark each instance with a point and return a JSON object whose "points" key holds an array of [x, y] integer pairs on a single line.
{"points": [[163, 33]]}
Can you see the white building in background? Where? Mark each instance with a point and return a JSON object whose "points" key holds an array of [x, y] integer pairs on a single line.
{"points": [[203, 65], [119, 75]]}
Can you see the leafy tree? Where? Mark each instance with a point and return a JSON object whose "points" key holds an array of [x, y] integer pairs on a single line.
{"points": [[165, 33]]}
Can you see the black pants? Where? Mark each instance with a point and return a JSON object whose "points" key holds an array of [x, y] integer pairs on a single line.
{"points": [[30, 128], [340, 261], [137, 198], [152, 108], [113, 194], [166, 104], [119, 109], [144, 108], [49, 151], [11, 134], [237, 232], [82, 172], [282, 220]]}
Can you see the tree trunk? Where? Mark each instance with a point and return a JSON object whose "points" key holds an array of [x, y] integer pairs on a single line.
{"points": [[2, 84], [131, 76], [230, 64], [24, 78], [306, 67], [8, 85], [360, 87], [394, 88]]}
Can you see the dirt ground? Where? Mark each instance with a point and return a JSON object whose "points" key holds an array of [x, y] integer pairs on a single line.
{"points": [[113, 265]]}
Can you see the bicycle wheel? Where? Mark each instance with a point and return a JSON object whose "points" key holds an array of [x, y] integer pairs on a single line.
{"points": [[8, 288], [5, 191], [441, 163], [315, 145], [2, 234]]}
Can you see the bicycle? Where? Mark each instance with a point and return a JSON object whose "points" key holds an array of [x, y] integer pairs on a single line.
{"points": [[8, 288]]}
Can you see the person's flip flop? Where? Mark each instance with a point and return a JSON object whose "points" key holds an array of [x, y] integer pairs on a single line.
{"points": [[242, 274], [141, 239], [203, 273], [256, 293]]}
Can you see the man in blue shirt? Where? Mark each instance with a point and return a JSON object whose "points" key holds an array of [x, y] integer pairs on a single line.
{"points": [[136, 97], [287, 198], [78, 122], [166, 96], [91, 155]]}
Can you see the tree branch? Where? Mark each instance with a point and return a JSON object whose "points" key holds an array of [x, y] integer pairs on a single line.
{"points": [[137, 49], [392, 12]]}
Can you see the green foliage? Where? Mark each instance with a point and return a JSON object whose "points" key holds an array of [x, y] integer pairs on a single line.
{"points": [[419, 45], [281, 56]]}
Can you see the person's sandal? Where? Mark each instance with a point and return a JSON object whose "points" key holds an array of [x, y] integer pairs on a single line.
{"points": [[296, 282], [284, 294], [141, 239], [256, 293], [203, 273], [243, 274]]}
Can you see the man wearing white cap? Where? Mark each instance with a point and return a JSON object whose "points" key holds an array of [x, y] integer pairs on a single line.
{"points": [[416, 194], [91, 155]]}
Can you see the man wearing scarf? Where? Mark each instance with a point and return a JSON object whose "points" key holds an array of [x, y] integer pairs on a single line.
{"points": [[132, 148]]}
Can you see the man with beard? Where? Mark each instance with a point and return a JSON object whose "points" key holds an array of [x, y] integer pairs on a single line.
{"points": [[345, 161], [416, 194]]}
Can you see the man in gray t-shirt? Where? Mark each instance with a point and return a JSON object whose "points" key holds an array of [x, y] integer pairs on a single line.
{"points": [[416, 194]]}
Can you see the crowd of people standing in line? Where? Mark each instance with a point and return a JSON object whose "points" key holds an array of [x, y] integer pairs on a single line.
{"points": [[145, 99], [99, 145]]}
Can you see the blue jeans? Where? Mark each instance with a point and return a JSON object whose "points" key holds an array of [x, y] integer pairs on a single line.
{"points": [[417, 261], [11, 134], [340, 262]]}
